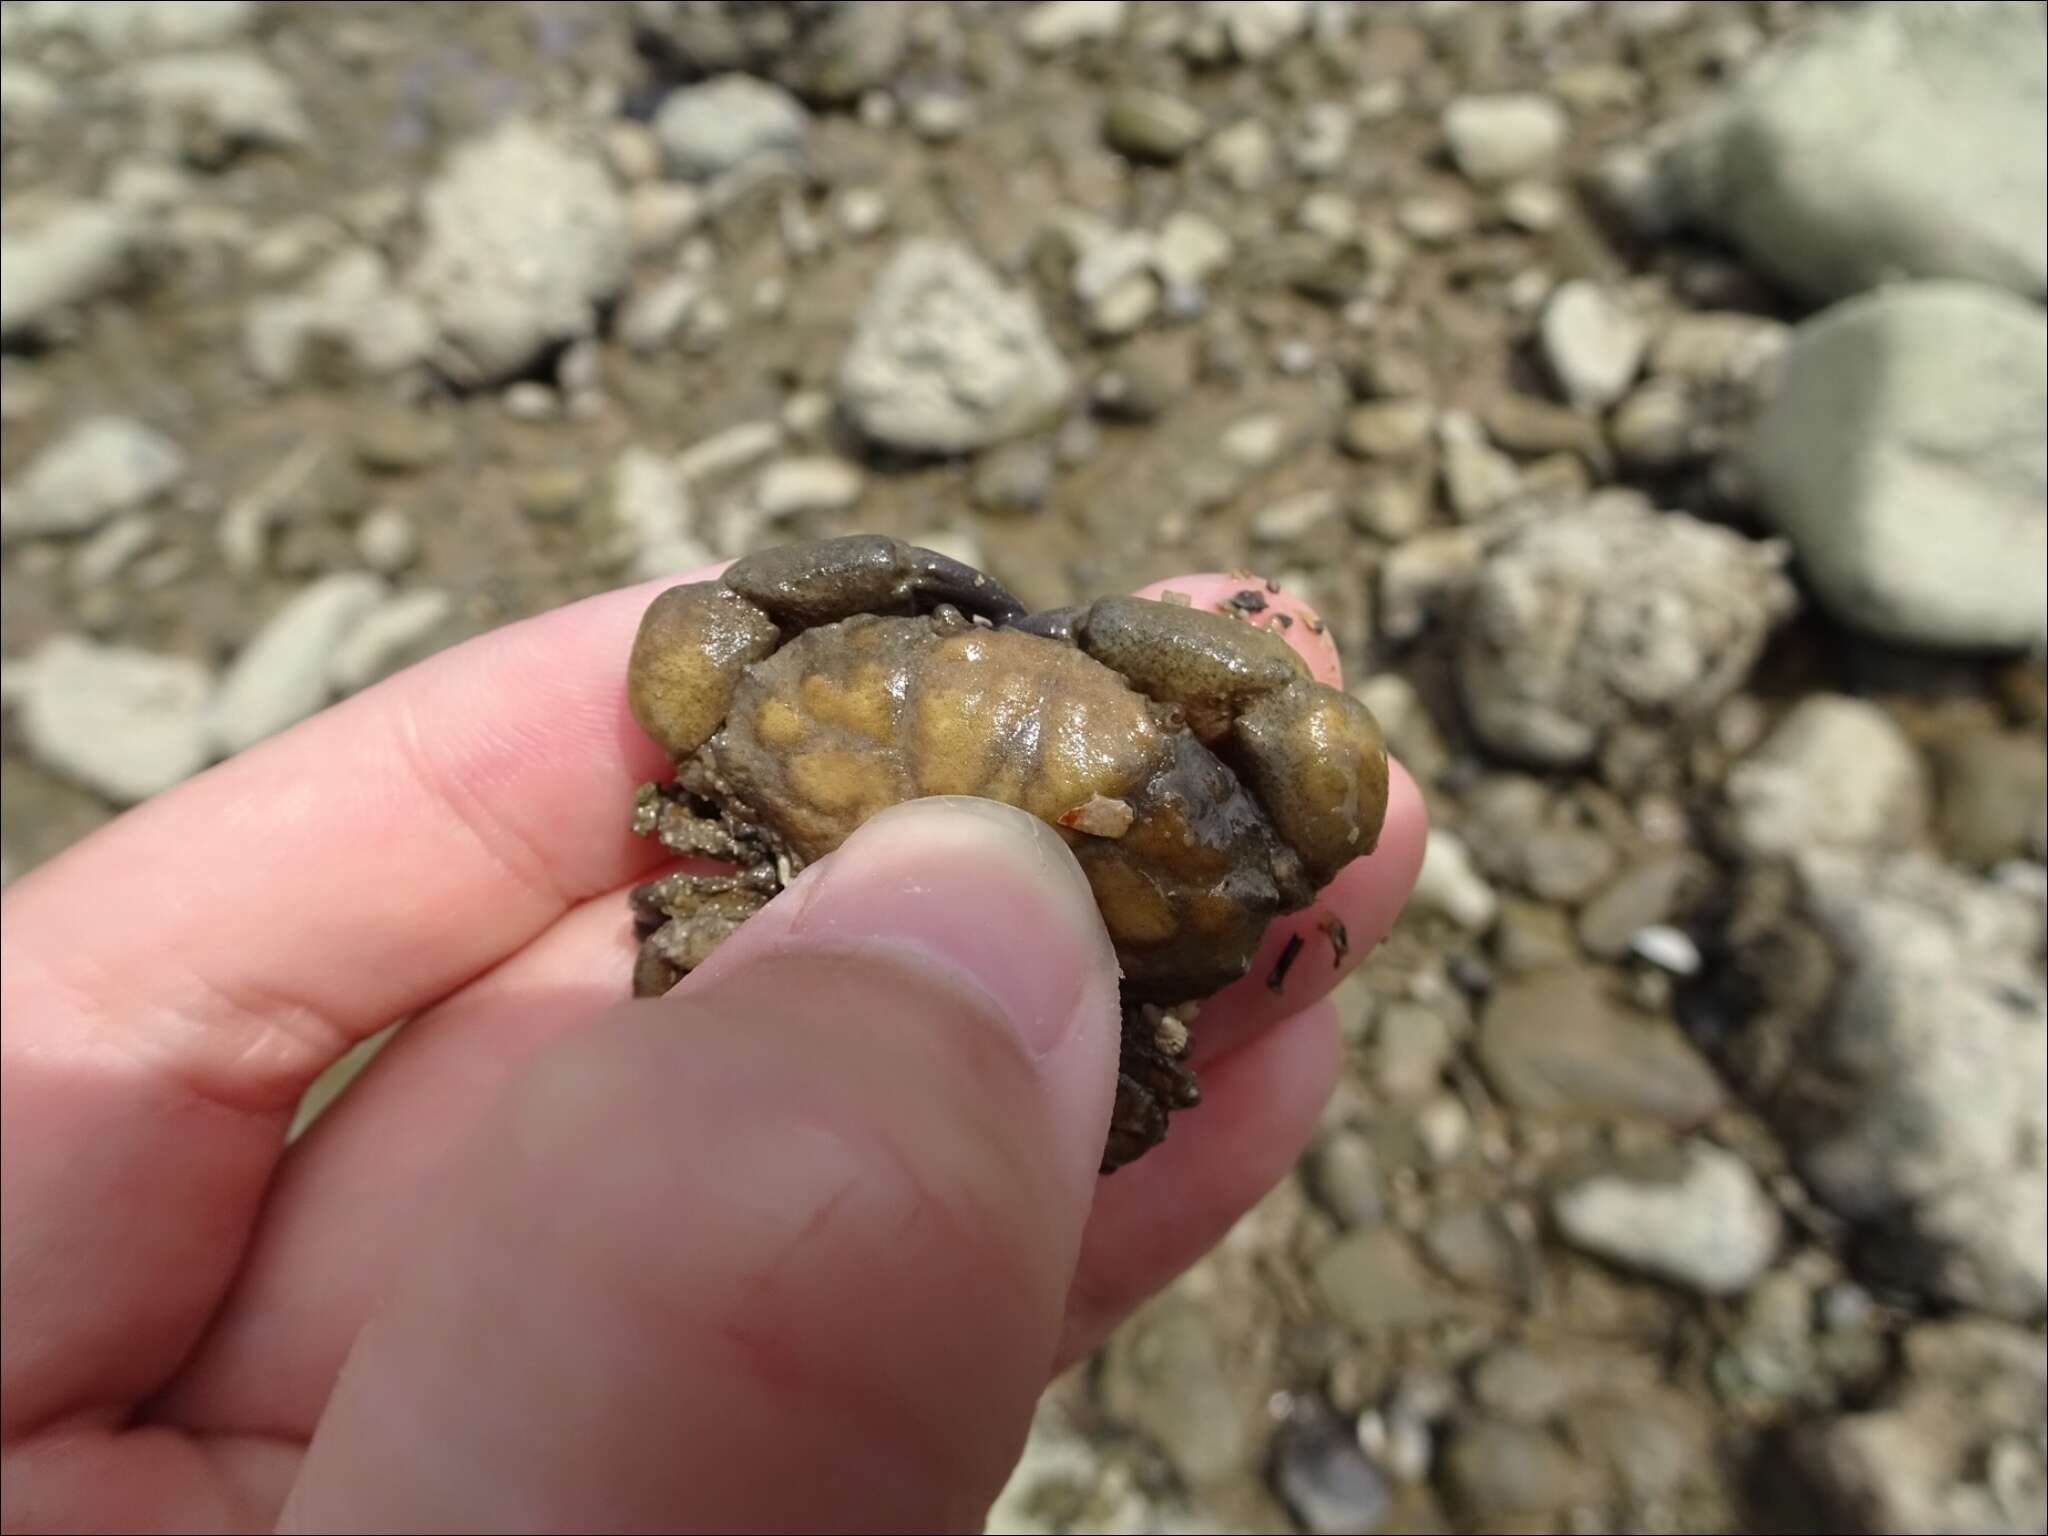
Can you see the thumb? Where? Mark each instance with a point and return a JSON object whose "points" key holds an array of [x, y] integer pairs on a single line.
{"points": [[788, 1248]]}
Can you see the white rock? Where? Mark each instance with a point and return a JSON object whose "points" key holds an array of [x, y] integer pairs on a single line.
{"points": [[1593, 344], [506, 277], [1258, 29], [1935, 1053], [1607, 613], [944, 360], [660, 213], [141, 26], [1891, 141], [648, 509], [104, 466], [1419, 575], [1058, 24], [796, 487], [103, 556], [1499, 138], [861, 211], [649, 320], [1188, 248], [216, 102], [1450, 883], [710, 128], [1667, 948], [384, 634], [387, 541], [349, 310], [1245, 153], [1901, 452], [1478, 477], [62, 256], [723, 452], [1712, 1229], [281, 676], [124, 723], [1836, 773]]}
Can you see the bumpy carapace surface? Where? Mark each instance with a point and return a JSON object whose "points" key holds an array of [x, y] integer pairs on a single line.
{"points": [[1204, 781]]}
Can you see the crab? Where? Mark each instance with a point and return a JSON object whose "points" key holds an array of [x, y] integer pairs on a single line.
{"points": [[1204, 781]]}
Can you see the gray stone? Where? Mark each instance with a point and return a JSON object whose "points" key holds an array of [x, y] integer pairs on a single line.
{"points": [[1152, 125], [1528, 424], [1718, 347], [1593, 344], [1293, 517], [126, 27], [123, 723], [1478, 477], [61, 255], [1419, 577], [104, 466], [400, 441], [1344, 1176], [1475, 1247], [1994, 796], [641, 519], [505, 278], [1324, 1477], [1934, 1058], [282, 675], [1657, 426], [1532, 936], [1555, 1042], [1389, 429], [349, 317], [1709, 1227], [1411, 1045], [1189, 248], [206, 106], [1861, 153], [705, 130], [1651, 892], [1901, 452], [660, 213], [1449, 883], [1371, 1279], [1612, 613], [1014, 478], [107, 553], [388, 636], [1499, 138], [1163, 1373], [1497, 1471], [1245, 153], [1258, 29], [1836, 773], [1564, 862], [649, 320], [938, 117], [944, 360]]}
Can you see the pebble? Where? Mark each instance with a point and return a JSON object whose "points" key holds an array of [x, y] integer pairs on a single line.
{"points": [[1189, 248], [387, 542], [861, 211], [103, 556], [1293, 517], [1323, 1476], [1532, 936], [1655, 427], [649, 320], [1434, 218], [207, 105], [727, 452], [1474, 1246], [945, 360], [708, 129], [938, 117], [531, 400], [1536, 206], [1499, 138], [1163, 1373], [1839, 462], [396, 441], [1014, 478], [350, 311], [1836, 773], [1592, 344], [1497, 1472], [1253, 442], [1371, 1279], [387, 636], [505, 278], [644, 516], [1056, 25], [62, 258], [1669, 949], [122, 722], [281, 675], [1557, 1042], [1152, 125], [659, 214], [1651, 892], [1344, 1177], [1527, 424], [1478, 478], [1421, 575], [1245, 154], [1994, 787], [1708, 1227], [1451, 884], [1389, 429], [1320, 142], [1583, 620], [807, 486], [101, 468], [1411, 1044], [633, 150], [1443, 1127]]}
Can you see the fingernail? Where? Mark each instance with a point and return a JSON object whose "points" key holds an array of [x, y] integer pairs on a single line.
{"points": [[977, 888]]}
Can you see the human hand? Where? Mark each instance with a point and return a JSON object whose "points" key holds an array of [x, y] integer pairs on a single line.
{"points": [[796, 1246]]}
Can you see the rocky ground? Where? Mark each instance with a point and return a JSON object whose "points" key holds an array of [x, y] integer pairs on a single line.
{"points": [[1651, 396]]}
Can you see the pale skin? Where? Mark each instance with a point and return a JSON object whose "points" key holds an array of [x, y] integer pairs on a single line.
{"points": [[794, 1246]]}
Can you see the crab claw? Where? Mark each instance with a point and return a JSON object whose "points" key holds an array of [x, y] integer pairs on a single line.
{"points": [[800, 586]]}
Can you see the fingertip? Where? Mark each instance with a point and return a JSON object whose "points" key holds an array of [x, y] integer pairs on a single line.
{"points": [[1263, 604]]}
